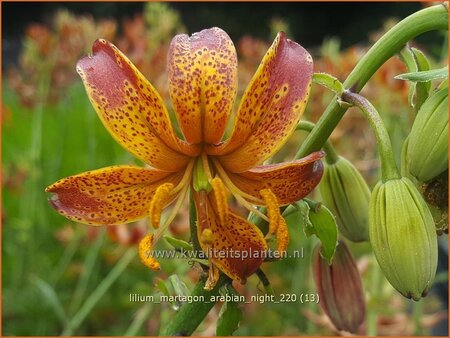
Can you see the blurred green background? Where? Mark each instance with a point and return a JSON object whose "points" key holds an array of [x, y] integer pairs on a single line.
{"points": [[62, 277]]}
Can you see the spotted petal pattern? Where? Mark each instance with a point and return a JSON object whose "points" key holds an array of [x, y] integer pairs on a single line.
{"points": [[131, 109], [237, 247], [271, 106], [112, 195], [203, 82], [289, 181]]}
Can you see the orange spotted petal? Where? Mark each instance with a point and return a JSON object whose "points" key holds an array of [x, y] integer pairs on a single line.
{"points": [[203, 82], [131, 109], [289, 181], [112, 195], [270, 108], [237, 248]]}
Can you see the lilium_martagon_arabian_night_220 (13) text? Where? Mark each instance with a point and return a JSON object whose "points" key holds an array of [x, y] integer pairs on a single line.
{"points": [[202, 72]]}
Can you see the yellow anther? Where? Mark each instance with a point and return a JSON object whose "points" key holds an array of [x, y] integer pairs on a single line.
{"points": [[207, 237], [145, 253], [273, 210], [213, 277], [159, 201], [282, 236], [220, 194]]}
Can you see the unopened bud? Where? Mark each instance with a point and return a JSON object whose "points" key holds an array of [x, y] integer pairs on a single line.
{"points": [[346, 193], [427, 154], [403, 237], [340, 289]]}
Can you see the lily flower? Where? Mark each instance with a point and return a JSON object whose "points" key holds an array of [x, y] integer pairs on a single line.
{"points": [[202, 73]]}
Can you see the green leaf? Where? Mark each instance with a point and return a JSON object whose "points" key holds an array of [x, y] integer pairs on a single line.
{"points": [[407, 57], [229, 317], [302, 208], [425, 76], [178, 285], [443, 84], [330, 82], [50, 296], [422, 88], [416, 61], [178, 243], [161, 286], [325, 228]]}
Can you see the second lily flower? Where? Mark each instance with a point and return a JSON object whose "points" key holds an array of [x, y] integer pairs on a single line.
{"points": [[202, 73]]}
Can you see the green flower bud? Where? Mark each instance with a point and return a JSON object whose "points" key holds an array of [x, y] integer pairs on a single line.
{"points": [[403, 237], [340, 289], [346, 193], [427, 153]]}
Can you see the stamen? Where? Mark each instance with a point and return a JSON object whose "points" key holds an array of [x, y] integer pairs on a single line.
{"points": [[207, 237], [250, 207], [273, 210], [185, 180], [172, 215], [238, 194], [213, 277], [231, 186], [277, 224], [144, 249], [159, 201], [220, 195], [282, 236]]}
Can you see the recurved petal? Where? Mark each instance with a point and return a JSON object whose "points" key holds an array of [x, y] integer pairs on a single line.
{"points": [[289, 181], [270, 108], [203, 82], [237, 248], [131, 109], [112, 195]]}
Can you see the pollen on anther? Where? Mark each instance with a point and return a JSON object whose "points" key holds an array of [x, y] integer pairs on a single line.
{"points": [[273, 209], [159, 201], [145, 253]]}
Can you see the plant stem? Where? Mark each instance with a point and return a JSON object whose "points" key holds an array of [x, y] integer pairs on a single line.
{"points": [[190, 315], [389, 168], [375, 290], [428, 19], [418, 313], [98, 293], [332, 156]]}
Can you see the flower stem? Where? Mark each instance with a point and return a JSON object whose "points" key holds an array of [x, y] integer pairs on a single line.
{"points": [[418, 314], [389, 168], [190, 315], [428, 19], [332, 156]]}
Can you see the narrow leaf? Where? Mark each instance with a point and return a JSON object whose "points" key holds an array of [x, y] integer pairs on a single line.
{"points": [[178, 243], [422, 88], [407, 56], [50, 296], [425, 76]]}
